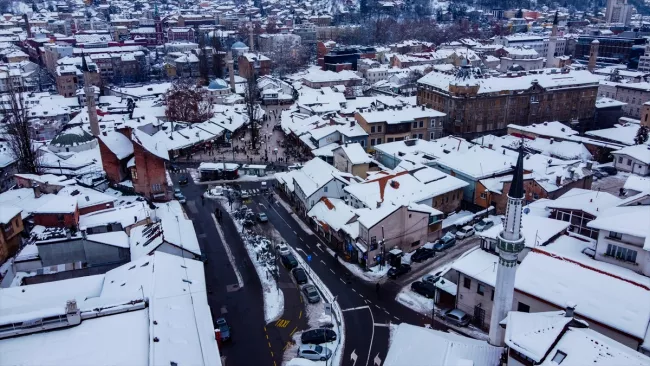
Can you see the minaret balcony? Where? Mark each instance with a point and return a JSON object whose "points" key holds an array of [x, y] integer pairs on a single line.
{"points": [[508, 246]]}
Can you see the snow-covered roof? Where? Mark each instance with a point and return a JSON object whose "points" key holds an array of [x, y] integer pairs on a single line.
{"points": [[400, 115], [8, 212], [478, 264], [336, 214], [150, 144], [637, 152], [592, 202], [114, 238], [176, 326], [532, 334], [85, 196], [369, 217], [546, 129], [58, 204], [118, 143], [630, 220], [313, 175], [434, 148], [413, 345], [355, 153], [598, 293], [536, 230], [126, 215], [478, 162], [608, 102], [620, 134], [637, 183]]}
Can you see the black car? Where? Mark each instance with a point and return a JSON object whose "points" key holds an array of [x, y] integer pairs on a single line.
{"points": [[289, 261], [425, 289], [599, 174], [422, 254], [183, 180], [318, 336], [395, 272], [300, 275], [174, 168], [608, 169]]}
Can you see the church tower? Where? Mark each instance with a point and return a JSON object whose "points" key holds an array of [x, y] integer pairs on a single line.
{"points": [[552, 42], [90, 96], [510, 243]]}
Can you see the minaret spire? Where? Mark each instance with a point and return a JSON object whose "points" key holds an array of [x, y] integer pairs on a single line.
{"points": [[90, 95], [510, 243]]}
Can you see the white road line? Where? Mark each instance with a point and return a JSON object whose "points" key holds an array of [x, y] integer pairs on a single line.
{"points": [[342, 280], [300, 239], [322, 261], [261, 204], [331, 270], [357, 308], [295, 233], [367, 301], [231, 257], [395, 317], [361, 296], [352, 289], [307, 245], [372, 337], [381, 325], [386, 311]]}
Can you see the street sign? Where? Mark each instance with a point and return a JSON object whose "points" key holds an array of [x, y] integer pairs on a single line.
{"points": [[309, 258], [328, 309]]}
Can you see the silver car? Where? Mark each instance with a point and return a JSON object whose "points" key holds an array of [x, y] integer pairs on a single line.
{"points": [[483, 225], [457, 317], [314, 352], [311, 293]]}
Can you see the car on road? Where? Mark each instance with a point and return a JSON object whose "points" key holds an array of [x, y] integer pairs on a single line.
{"points": [[446, 242], [608, 169], [311, 293], [483, 225], [174, 168], [456, 317], [422, 254], [282, 249], [425, 289], [314, 352], [318, 336], [395, 272], [224, 328], [300, 275], [465, 232], [183, 180], [261, 217], [178, 195], [289, 261], [244, 195]]}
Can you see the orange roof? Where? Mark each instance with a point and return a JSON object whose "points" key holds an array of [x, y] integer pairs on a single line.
{"points": [[383, 180]]}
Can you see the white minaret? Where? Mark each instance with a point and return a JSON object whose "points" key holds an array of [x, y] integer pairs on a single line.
{"points": [[551, 61], [509, 244]]}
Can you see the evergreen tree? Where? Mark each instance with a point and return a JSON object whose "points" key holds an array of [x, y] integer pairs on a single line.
{"points": [[641, 136]]}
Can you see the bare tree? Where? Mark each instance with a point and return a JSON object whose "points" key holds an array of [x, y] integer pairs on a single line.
{"points": [[252, 108], [203, 62], [217, 56], [18, 133], [187, 103]]}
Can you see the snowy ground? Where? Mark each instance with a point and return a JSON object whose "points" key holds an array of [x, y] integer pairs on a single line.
{"points": [[262, 256], [316, 318], [373, 275], [610, 184]]}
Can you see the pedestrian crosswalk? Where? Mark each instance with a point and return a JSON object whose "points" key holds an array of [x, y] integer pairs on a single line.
{"points": [[282, 323], [251, 192]]}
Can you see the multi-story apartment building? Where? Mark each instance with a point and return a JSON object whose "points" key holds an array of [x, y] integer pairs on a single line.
{"points": [[252, 64], [400, 123], [538, 43], [611, 49], [644, 61], [618, 11], [475, 104], [635, 95]]}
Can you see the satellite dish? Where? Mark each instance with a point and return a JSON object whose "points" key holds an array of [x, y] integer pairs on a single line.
{"points": [[526, 210]]}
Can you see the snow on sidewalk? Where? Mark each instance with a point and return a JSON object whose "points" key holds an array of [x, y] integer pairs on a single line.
{"points": [[373, 274], [261, 255]]}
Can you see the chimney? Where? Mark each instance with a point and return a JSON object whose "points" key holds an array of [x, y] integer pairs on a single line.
{"points": [[346, 144], [72, 312], [83, 232], [558, 180], [29, 28], [490, 146], [550, 141], [378, 204], [37, 190], [590, 165], [568, 311], [351, 123]]}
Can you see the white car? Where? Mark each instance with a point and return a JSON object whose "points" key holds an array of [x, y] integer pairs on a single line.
{"points": [[465, 232], [282, 249]]}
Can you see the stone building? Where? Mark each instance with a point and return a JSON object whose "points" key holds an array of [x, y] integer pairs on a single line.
{"points": [[477, 104]]}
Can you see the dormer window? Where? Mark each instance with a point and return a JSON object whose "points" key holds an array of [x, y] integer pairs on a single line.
{"points": [[559, 357]]}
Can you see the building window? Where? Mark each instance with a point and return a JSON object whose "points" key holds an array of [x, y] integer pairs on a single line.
{"points": [[467, 282], [421, 124], [523, 308], [372, 142], [134, 173], [378, 141], [629, 162], [615, 235], [415, 136], [431, 136], [480, 289], [492, 297], [372, 129], [621, 253], [378, 128], [325, 189], [559, 357], [483, 195], [60, 218]]}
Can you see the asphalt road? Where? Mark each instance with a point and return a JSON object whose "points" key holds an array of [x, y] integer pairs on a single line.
{"points": [[242, 307], [366, 312]]}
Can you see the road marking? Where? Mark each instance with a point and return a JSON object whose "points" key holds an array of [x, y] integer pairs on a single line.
{"points": [[386, 311], [367, 301], [307, 245], [269, 344], [342, 280], [231, 257], [377, 306], [322, 261], [331, 270], [295, 233], [372, 336], [300, 316], [377, 360], [261, 204], [282, 323], [396, 317], [357, 308], [267, 336], [318, 246], [286, 346], [352, 289], [361, 296], [293, 331], [301, 239], [381, 325], [353, 357]]}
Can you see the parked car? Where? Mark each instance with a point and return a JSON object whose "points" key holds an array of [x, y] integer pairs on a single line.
{"points": [[425, 289], [183, 180], [465, 232], [261, 217], [311, 293], [300, 275], [178, 195], [314, 352], [432, 279], [224, 328], [599, 174], [282, 249], [457, 317], [395, 272], [483, 225], [446, 242], [422, 254], [174, 168], [289, 261], [608, 169], [245, 195], [318, 336]]}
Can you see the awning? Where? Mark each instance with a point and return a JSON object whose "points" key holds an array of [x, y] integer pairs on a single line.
{"points": [[362, 248], [447, 286]]}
